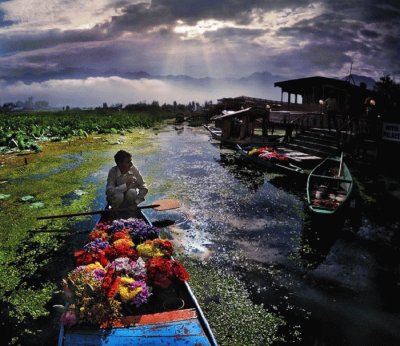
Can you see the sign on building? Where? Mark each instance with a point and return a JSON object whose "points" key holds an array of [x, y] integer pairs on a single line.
{"points": [[391, 132]]}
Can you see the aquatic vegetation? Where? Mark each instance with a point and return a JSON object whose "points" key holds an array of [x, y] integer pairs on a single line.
{"points": [[23, 130], [233, 317], [34, 255]]}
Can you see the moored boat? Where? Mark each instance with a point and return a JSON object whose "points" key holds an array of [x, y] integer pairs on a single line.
{"points": [[170, 314], [269, 158], [215, 132], [329, 186]]}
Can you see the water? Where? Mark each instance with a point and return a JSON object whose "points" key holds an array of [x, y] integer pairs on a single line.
{"points": [[338, 287]]}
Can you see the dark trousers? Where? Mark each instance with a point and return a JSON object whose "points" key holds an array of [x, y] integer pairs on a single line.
{"points": [[332, 119]]}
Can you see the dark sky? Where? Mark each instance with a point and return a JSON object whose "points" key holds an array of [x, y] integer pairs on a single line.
{"points": [[82, 51]]}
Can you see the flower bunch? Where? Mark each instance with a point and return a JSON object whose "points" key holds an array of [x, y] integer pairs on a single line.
{"points": [[98, 234], [96, 244], [83, 288], [123, 247], [139, 229], [155, 248], [163, 271], [83, 257], [267, 153], [128, 267], [111, 274], [133, 292]]}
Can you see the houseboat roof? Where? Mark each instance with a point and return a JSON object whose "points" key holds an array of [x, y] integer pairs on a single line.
{"points": [[229, 114], [297, 86]]}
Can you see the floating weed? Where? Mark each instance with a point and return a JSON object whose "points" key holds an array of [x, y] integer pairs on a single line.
{"points": [[37, 205], [27, 198], [33, 255], [233, 317]]}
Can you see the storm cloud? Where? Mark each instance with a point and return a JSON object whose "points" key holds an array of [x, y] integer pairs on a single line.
{"points": [[42, 41]]}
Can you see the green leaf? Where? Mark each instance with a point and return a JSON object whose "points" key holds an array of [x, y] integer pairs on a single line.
{"points": [[37, 205], [80, 192], [27, 198], [4, 196]]}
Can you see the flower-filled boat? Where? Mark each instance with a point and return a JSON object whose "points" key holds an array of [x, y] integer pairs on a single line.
{"points": [[127, 288]]}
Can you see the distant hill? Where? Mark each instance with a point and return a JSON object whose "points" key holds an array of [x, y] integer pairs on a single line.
{"points": [[356, 79]]}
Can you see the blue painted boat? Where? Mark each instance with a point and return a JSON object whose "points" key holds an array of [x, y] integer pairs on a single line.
{"points": [[175, 319]]}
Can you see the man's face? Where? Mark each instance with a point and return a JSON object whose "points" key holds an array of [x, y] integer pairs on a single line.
{"points": [[125, 165]]}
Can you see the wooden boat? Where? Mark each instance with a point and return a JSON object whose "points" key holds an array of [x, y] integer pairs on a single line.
{"points": [[329, 186], [171, 317], [275, 161], [216, 133]]}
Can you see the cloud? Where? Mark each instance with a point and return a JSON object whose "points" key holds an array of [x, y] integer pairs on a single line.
{"points": [[79, 38]]}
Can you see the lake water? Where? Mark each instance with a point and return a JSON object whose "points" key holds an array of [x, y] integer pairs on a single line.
{"points": [[339, 287]]}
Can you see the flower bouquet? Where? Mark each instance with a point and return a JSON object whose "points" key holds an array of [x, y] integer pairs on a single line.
{"points": [[117, 271]]}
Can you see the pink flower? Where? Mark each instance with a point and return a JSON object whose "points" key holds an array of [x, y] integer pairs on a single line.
{"points": [[69, 318]]}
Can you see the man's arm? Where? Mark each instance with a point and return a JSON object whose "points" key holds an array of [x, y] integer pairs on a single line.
{"points": [[140, 185], [112, 187]]}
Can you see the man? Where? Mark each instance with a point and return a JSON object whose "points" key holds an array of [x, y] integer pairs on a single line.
{"points": [[331, 109], [125, 185]]}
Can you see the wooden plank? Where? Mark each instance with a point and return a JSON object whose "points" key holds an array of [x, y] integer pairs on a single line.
{"points": [[161, 317], [171, 333]]}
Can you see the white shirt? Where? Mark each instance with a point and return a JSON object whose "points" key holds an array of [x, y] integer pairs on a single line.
{"points": [[116, 182]]}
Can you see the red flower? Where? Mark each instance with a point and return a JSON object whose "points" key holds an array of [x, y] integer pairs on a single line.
{"points": [[123, 234], [163, 271], [108, 279], [165, 246], [82, 257], [102, 226], [114, 288], [121, 250], [180, 271], [100, 256], [98, 234]]}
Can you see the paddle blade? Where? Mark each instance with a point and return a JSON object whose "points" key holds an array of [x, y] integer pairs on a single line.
{"points": [[166, 204]]}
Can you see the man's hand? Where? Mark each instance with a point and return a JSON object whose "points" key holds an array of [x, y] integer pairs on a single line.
{"points": [[130, 181]]}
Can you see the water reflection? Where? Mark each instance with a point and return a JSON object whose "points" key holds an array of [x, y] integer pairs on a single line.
{"points": [[255, 221], [318, 236]]}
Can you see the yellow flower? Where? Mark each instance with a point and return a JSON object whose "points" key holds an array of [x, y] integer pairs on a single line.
{"points": [[145, 250], [124, 241], [94, 266], [125, 292]]}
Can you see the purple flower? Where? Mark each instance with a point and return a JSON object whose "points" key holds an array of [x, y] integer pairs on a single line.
{"points": [[99, 274], [137, 227], [96, 244], [143, 296], [133, 269]]}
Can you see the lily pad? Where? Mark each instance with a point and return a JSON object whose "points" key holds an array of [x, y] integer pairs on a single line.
{"points": [[4, 196], [37, 205], [27, 198], [80, 192]]}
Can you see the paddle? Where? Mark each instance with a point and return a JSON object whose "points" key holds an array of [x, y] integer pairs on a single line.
{"points": [[340, 166], [159, 205]]}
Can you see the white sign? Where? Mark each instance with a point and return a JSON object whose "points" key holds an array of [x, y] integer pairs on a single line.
{"points": [[391, 132]]}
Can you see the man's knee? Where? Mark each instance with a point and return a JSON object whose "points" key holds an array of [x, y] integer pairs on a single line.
{"points": [[131, 196], [115, 200]]}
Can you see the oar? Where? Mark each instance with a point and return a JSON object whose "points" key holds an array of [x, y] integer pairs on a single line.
{"points": [[161, 204], [340, 166]]}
